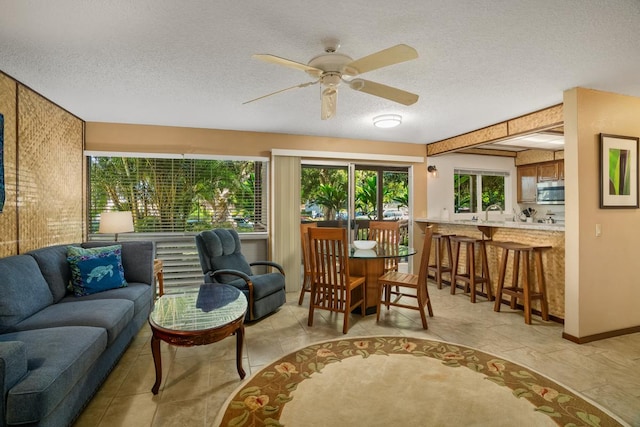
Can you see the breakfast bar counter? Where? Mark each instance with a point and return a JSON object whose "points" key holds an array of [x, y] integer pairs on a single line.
{"points": [[533, 234]]}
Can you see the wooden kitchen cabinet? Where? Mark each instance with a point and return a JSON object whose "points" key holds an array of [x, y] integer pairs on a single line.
{"points": [[547, 171], [527, 180], [530, 175], [560, 169]]}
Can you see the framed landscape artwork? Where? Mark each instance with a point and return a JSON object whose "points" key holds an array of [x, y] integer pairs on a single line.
{"points": [[618, 171]]}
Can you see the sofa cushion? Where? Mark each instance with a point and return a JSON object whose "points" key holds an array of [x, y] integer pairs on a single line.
{"points": [[137, 259], [140, 293], [23, 290], [95, 270], [54, 266], [57, 358], [110, 314]]}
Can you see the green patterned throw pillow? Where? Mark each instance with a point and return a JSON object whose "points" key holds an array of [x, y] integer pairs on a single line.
{"points": [[95, 270]]}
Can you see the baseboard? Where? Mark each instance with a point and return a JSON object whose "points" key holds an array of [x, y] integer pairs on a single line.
{"points": [[577, 340], [601, 336]]}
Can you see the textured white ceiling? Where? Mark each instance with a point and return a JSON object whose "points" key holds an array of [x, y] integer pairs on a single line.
{"points": [[188, 63]]}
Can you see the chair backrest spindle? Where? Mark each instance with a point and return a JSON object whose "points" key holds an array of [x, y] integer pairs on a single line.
{"points": [[387, 235]]}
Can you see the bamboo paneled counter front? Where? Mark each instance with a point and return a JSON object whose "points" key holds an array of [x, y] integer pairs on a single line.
{"points": [[534, 234]]}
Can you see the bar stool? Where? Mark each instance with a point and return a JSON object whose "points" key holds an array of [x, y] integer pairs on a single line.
{"points": [[469, 276], [526, 292], [442, 242]]}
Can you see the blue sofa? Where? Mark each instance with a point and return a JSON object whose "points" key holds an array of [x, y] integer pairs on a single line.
{"points": [[56, 349]]}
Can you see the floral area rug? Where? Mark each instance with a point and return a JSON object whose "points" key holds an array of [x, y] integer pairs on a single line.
{"points": [[400, 381]]}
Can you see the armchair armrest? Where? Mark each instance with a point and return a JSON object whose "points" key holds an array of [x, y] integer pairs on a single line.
{"points": [[243, 276], [232, 272], [269, 264], [13, 366]]}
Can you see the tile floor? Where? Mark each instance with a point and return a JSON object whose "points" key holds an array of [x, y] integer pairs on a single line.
{"points": [[197, 380]]}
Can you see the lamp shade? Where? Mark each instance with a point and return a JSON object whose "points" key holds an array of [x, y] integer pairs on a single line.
{"points": [[116, 222]]}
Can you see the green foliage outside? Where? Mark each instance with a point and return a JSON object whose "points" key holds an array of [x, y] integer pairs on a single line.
{"points": [[396, 188], [366, 193], [332, 197], [176, 194], [327, 187], [492, 191], [465, 192]]}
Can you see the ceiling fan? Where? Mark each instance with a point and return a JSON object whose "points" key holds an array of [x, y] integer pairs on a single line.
{"points": [[331, 69]]}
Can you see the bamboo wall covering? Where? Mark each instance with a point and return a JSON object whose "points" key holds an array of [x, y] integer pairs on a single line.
{"points": [[546, 119], [44, 178], [8, 217]]}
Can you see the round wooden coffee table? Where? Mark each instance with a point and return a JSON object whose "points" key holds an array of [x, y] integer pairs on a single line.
{"points": [[198, 317]]}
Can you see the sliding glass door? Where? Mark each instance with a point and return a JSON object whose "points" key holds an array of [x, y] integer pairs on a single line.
{"points": [[324, 192], [351, 195], [381, 192]]}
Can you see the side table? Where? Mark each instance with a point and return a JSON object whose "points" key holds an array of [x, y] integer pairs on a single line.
{"points": [[158, 272]]}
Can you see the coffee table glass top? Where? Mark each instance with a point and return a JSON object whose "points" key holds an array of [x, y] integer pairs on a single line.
{"points": [[208, 307], [382, 251]]}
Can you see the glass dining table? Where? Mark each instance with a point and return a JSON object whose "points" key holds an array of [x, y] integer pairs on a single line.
{"points": [[369, 263]]}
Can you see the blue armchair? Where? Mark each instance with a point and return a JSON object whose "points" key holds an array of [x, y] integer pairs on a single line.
{"points": [[222, 261]]}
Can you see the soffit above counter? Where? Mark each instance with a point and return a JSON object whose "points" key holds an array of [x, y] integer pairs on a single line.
{"points": [[550, 119]]}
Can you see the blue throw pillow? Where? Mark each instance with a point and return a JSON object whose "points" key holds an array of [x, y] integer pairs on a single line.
{"points": [[96, 269]]}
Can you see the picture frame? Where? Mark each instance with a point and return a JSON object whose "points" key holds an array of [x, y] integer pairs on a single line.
{"points": [[618, 172]]}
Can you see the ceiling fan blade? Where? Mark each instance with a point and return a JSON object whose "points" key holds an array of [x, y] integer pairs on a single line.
{"points": [[383, 58], [383, 91], [328, 108], [282, 90], [289, 63]]}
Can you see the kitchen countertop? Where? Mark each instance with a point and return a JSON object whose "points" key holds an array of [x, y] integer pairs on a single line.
{"points": [[497, 224]]}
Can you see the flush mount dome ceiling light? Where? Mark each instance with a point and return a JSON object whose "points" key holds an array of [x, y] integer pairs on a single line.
{"points": [[387, 121]]}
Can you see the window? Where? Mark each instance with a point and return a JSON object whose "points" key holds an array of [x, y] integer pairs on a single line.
{"points": [[324, 192], [179, 194], [391, 197], [475, 190], [325, 195]]}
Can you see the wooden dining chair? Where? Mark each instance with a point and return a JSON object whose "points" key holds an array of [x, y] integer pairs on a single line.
{"points": [[386, 233], [416, 283], [332, 288], [306, 259]]}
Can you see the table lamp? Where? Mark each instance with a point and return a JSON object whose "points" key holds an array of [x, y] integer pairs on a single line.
{"points": [[116, 222]]}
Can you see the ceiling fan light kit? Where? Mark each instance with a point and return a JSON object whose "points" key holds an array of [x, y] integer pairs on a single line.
{"points": [[331, 68], [386, 121]]}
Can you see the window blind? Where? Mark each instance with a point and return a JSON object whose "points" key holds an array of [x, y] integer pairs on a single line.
{"points": [[179, 194], [480, 172]]}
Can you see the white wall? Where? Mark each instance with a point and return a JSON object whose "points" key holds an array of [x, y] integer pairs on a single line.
{"points": [[440, 189]]}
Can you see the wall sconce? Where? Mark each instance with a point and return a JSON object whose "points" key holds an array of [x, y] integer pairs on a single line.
{"points": [[116, 222], [432, 170]]}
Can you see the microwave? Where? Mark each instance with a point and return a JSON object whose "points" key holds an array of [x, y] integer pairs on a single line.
{"points": [[550, 193]]}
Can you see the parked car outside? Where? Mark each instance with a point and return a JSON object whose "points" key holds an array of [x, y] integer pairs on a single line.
{"points": [[241, 222], [394, 214]]}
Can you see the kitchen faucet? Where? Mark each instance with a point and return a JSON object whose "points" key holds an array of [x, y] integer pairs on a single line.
{"points": [[494, 206]]}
